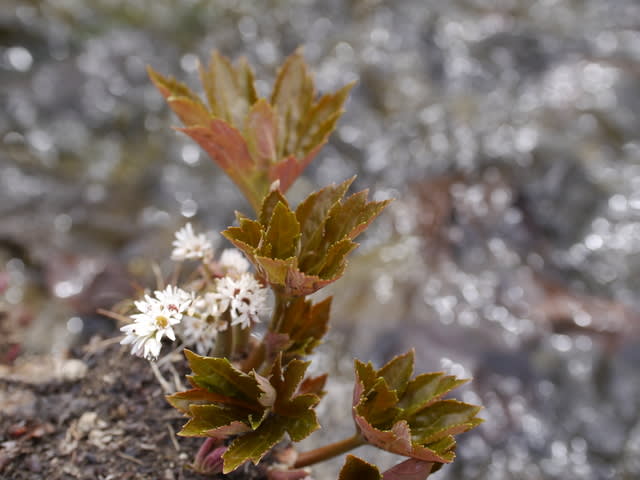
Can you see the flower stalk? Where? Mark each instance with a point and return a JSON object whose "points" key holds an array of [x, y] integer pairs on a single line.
{"points": [[240, 342], [278, 312], [224, 340]]}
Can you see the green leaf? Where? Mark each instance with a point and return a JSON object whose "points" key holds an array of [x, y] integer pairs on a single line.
{"points": [[321, 120], [256, 141], [444, 418], [292, 97], [292, 412], [328, 226], [246, 237], [254, 445], [293, 251], [169, 86], [217, 375], [185, 104], [409, 417], [357, 469], [283, 233], [305, 422], [312, 212], [352, 216], [398, 440], [217, 421], [256, 410], [296, 407], [189, 111], [426, 389], [335, 261], [276, 271], [199, 396], [286, 382], [273, 198], [230, 90], [366, 378], [376, 401], [305, 324], [398, 371]]}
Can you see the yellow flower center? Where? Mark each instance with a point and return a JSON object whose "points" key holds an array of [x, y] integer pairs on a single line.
{"points": [[162, 321]]}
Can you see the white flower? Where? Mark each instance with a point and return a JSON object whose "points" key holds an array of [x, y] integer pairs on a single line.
{"points": [[188, 245], [233, 261], [146, 340], [174, 298], [244, 297], [206, 305], [198, 332], [156, 318]]}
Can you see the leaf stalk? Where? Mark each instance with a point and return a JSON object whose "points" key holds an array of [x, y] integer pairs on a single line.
{"points": [[329, 451]]}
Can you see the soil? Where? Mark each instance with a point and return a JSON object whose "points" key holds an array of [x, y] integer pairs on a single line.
{"points": [[113, 423]]}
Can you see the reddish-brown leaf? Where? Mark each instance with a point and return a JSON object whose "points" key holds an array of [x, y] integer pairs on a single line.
{"points": [[261, 132]]}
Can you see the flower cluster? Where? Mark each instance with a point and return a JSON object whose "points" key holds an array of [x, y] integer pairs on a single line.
{"points": [[187, 245], [228, 295], [156, 318], [243, 297]]}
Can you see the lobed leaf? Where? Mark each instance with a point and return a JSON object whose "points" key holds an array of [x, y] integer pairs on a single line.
{"points": [[295, 252], [257, 411], [199, 396], [425, 389], [283, 233], [230, 90], [312, 212], [305, 324], [292, 97], [254, 140], [409, 417], [185, 104], [216, 421], [253, 445], [447, 417], [218, 376], [321, 119], [397, 372], [398, 440], [352, 216]]}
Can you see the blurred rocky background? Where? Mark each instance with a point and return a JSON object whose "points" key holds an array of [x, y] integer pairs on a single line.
{"points": [[506, 129]]}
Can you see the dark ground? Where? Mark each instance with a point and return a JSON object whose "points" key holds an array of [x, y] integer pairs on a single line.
{"points": [[114, 423]]}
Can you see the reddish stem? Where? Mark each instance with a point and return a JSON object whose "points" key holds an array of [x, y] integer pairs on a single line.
{"points": [[328, 451]]}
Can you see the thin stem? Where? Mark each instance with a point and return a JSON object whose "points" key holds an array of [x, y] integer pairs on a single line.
{"points": [[176, 273], [224, 340], [206, 274], [157, 272], [278, 312], [328, 451], [166, 386], [240, 341]]}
